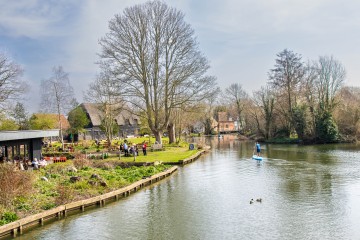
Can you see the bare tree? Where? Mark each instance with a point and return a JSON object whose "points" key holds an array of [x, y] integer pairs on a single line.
{"points": [[11, 86], [106, 93], [154, 55], [237, 95], [265, 100], [57, 95], [331, 76]]}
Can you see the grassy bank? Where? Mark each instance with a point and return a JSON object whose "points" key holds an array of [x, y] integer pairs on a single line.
{"points": [[23, 193], [65, 183]]}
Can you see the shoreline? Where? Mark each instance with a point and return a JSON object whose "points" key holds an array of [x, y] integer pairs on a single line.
{"points": [[18, 226]]}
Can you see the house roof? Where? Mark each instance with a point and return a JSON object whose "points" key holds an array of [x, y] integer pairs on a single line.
{"points": [[223, 116], [95, 114], [27, 134]]}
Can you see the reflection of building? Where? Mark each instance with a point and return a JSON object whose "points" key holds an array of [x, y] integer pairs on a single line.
{"points": [[23, 144], [226, 123], [127, 123]]}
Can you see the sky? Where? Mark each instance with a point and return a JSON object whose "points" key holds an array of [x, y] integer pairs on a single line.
{"points": [[240, 38]]}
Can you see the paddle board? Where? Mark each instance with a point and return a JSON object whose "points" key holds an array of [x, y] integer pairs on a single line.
{"points": [[257, 158]]}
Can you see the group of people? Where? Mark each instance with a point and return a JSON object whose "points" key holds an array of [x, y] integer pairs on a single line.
{"points": [[133, 149], [25, 163], [38, 164]]}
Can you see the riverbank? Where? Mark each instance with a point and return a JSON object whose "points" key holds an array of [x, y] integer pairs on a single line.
{"points": [[19, 226], [80, 180]]}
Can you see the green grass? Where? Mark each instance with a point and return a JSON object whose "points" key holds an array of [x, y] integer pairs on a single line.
{"points": [[59, 189], [171, 154], [114, 173]]}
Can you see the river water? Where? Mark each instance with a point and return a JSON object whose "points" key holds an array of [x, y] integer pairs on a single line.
{"points": [[307, 192]]}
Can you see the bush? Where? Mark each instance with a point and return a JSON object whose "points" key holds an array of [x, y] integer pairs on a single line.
{"points": [[66, 195], [48, 206], [326, 128], [8, 217], [106, 165], [13, 183], [82, 163], [60, 154]]}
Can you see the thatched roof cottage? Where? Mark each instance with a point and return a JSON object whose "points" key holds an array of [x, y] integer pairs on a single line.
{"points": [[129, 124]]}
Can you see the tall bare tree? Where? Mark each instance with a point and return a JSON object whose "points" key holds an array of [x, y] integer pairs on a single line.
{"points": [[57, 95], [11, 86], [265, 100], [237, 95], [331, 76], [154, 55], [107, 94]]}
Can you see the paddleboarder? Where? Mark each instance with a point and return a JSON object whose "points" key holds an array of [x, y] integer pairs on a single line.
{"points": [[257, 148]]}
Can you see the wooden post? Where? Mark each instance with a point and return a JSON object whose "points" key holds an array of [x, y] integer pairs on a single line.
{"points": [[14, 232]]}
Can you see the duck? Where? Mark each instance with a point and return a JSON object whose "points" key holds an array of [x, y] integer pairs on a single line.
{"points": [[259, 200], [251, 201]]}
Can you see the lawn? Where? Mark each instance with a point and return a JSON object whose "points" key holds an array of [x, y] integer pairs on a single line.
{"points": [[171, 154]]}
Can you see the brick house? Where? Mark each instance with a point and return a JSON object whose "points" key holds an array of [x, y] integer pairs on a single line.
{"points": [[226, 124]]}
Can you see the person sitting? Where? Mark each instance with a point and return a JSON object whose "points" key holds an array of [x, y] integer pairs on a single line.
{"points": [[42, 163], [35, 164]]}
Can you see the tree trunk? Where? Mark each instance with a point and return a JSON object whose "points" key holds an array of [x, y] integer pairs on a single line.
{"points": [[171, 132], [157, 135], [61, 133]]}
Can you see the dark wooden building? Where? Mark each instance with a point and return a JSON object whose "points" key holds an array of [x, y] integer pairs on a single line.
{"points": [[23, 144]]}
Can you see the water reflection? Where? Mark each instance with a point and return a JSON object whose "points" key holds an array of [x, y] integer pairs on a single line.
{"points": [[308, 192]]}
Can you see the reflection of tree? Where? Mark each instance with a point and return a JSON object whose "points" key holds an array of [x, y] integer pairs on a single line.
{"points": [[304, 171]]}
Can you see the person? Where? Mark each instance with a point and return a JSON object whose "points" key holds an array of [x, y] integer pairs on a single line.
{"points": [[136, 150], [144, 148], [121, 147], [257, 148], [42, 163], [126, 150], [35, 164], [132, 150]]}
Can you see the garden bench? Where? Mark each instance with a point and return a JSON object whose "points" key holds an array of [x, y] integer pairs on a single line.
{"points": [[157, 147]]}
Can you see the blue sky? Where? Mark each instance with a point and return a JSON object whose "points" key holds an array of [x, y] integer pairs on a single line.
{"points": [[240, 37]]}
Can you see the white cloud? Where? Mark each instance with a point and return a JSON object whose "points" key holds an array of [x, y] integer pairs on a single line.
{"points": [[34, 18]]}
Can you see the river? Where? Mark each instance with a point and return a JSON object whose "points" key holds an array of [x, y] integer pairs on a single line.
{"points": [[307, 192]]}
